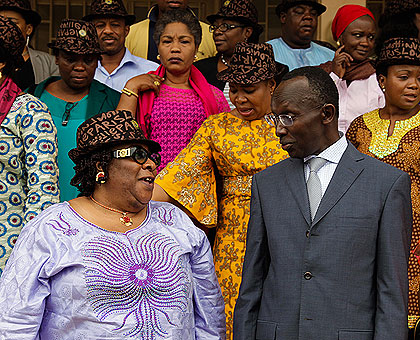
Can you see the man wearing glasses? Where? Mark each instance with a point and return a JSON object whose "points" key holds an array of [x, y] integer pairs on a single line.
{"points": [[140, 39], [299, 21], [329, 233]]}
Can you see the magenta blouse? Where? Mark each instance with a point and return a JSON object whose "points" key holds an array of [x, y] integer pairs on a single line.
{"points": [[176, 116]]}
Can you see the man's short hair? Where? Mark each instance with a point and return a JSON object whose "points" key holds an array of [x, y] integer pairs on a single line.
{"points": [[321, 85]]}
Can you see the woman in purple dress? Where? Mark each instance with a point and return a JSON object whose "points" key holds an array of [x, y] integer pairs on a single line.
{"points": [[111, 264]]}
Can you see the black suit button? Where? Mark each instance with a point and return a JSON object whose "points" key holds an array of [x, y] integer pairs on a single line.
{"points": [[307, 275]]}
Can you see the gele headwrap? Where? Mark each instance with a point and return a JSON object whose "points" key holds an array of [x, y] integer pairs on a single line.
{"points": [[345, 16], [109, 8]]}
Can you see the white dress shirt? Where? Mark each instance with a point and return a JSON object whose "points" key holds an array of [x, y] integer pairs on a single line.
{"points": [[333, 155]]}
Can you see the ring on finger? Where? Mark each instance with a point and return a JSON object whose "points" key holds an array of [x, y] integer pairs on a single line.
{"points": [[156, 82]]}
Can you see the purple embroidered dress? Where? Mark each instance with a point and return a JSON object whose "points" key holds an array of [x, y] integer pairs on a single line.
{"points": [[69, 279]]}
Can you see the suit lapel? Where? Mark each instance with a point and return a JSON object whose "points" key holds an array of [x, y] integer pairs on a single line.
{"points": [[348, 169], [295, 179]]}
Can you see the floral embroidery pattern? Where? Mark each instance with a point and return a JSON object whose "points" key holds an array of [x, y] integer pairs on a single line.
{"points": [[143, 281], [63, 226]]}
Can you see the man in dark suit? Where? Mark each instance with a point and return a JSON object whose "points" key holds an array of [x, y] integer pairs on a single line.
{"points": [[328, 243]]}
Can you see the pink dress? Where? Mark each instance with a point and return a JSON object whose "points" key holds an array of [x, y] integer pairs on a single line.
{"points": [[176, 115]]}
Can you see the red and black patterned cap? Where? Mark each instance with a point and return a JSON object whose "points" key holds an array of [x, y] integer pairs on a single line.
{"points": [[252, 63], [396, 7], [399, 51], [11, 37], [284, 5], [108, 129], [109, 8], [241, 10], [77, 36], [23, 7]]}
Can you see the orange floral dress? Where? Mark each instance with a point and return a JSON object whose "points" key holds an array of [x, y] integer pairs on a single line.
{"points": [[369, 134], [212, 178]]}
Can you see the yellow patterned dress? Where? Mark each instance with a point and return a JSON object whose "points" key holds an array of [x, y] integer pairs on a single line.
{"points": [[369, 134], [226, 150]]}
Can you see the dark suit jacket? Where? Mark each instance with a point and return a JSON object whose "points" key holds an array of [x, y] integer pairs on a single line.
{"points": [[101, 97], [344, 276]]}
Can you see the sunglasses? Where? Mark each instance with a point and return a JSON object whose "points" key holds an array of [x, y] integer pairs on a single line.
{"points": [[138, 154]]}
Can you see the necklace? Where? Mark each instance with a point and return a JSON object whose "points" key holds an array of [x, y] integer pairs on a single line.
{"points": [[124, 219], [223, 60]]}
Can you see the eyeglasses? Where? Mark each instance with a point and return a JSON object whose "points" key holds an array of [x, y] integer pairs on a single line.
{"points": [[223, 27], [66, 115], [274, 120], [286, 120], [138, 154]]}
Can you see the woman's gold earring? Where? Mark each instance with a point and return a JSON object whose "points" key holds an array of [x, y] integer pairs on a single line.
{"points": [[1, 75], [100, 177], [158, 57], [195, 57], [383, 89]]}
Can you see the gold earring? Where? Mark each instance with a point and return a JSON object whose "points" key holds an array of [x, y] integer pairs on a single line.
{"points": [[195, 57], [383, 89], [158, 57], [100, 177], [1, 75]]}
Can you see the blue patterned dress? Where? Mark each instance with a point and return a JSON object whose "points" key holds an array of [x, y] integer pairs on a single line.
{"points": [[28, 168], [70, 279]]}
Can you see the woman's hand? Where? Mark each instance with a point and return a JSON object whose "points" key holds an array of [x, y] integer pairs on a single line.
{"points": [[341, 61], [145, 82], [136, 85]]}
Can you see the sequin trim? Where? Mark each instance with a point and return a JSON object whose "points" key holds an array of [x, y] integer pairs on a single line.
{"points": [[381, 145], [144, 281]]}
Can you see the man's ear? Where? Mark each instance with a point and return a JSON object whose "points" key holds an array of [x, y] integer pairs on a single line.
{"points": [[328, 112], [283, 16]]}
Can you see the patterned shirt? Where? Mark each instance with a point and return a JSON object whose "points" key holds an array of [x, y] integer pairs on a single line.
{"points": [[28, 168], [70, 279]]}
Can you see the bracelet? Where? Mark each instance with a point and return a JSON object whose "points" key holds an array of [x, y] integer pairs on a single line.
{"points": [[128, 92]]}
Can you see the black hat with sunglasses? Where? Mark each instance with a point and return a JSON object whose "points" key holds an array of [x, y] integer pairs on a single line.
{"points": [[241, 10], [109, 129]]}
